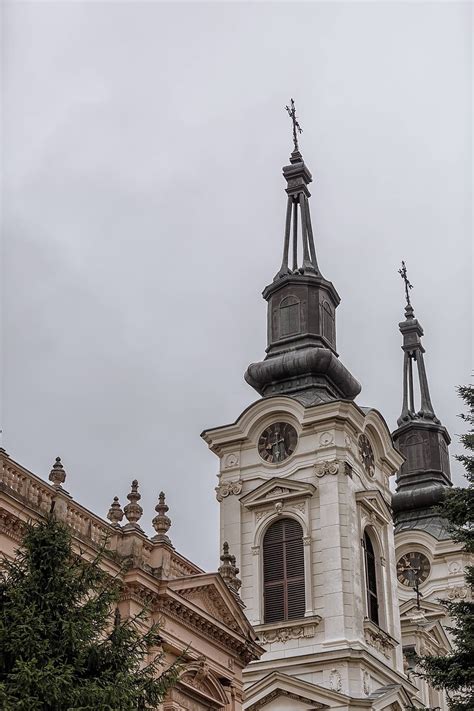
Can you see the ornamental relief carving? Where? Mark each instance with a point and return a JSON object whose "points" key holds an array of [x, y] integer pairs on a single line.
{"points": [[229, 488], [326, 439], [454, 567], [284, 634], [378, 641], [231, 461], [366, 682], [335, 680], [458, 592], [334, 466]]}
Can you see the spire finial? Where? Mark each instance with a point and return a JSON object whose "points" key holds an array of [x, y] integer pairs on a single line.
{"points": [[229, 570], [296, 127], [133, 511], [408, 286], [161, 523], [115, 513], [57, 474]]}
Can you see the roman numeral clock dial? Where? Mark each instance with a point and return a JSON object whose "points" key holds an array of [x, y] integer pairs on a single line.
{"points": [[412, 568], [277, 442]]}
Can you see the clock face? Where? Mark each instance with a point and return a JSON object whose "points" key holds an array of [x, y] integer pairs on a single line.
{"points": [[366, 453], [413, 568], [277, 442]]}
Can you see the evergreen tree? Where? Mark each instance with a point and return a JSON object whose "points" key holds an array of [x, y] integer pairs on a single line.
{"points": [[63, 645], [455, 672]]}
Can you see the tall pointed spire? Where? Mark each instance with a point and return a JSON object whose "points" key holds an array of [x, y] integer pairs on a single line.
{"points": [[298, 227], [301, 359], [420, 436], [412, 331]]}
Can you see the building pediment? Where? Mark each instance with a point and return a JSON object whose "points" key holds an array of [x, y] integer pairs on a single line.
{"points": [[431, 610], [302, 694], [375, 506], [392, 696], [277, 489], [209, 593]]}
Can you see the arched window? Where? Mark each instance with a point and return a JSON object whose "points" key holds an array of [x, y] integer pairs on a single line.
{"points": [[283, 571], [371, 579], [289, 316]]}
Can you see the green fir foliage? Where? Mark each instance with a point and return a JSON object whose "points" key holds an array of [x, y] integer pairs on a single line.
{"points": [[455, 672], [63, 645]]}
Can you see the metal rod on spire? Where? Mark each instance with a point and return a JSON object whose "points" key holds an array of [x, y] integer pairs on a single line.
{"points": [[296, 127]]}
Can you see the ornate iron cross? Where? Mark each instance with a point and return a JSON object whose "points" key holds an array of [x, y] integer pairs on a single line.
{"points": [[403, 274], [296, 127]]}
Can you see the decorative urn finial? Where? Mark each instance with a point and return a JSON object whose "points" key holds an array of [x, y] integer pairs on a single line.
{"points": [[229, 570], [161, 523], [133, 511], [57, 475], [115, 513]]}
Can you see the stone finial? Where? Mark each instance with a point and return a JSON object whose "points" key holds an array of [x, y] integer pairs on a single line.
{"points": [[133, 511], [161, 522], [229, 570], [57, 474], [115, 513]]}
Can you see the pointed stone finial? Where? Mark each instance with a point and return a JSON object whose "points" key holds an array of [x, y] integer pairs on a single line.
{"points": [[229, 570], [133, 511], [57, 475], [161, 523], [115, 513]]}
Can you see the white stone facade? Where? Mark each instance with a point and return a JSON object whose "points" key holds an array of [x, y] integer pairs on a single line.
{"points": [[334, 657]]}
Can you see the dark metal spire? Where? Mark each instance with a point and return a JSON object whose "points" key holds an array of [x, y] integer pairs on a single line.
{"points": [[420, 437], [412, 331], [298, 227], [301, 358]]}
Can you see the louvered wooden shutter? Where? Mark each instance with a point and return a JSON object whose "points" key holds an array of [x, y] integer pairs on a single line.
{"points": [[283, 571]]}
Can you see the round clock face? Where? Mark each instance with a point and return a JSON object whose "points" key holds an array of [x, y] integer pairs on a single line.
{"points": [[277, 442], [413, 568], [366, 453]]}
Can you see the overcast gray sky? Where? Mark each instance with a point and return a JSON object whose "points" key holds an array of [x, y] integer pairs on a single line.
{"points": [[144, 208]]}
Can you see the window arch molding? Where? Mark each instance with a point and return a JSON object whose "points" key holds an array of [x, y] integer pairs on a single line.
{"points": [[375, 538], [261, 528]]}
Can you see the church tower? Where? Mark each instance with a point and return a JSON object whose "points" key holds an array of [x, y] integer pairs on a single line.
{"points": [[430, 566], [303, 488]]}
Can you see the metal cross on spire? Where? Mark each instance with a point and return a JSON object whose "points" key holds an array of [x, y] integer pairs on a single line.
{"points": [[408, 286], [296, 127]]}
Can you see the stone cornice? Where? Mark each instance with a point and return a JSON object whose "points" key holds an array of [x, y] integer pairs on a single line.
{"points": [[189, 614]]}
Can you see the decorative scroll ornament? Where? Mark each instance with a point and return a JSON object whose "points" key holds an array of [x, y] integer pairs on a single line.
{"points": [[457, 592], [133, 511], [115, 513], [229, 488], [333, 467], [57, 475]]}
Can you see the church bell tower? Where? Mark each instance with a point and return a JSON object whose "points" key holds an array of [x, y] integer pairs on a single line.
{"points": [[303, 489]]}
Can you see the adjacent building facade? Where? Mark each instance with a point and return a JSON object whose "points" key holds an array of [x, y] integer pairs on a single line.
{"points": [[200, 614]]}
